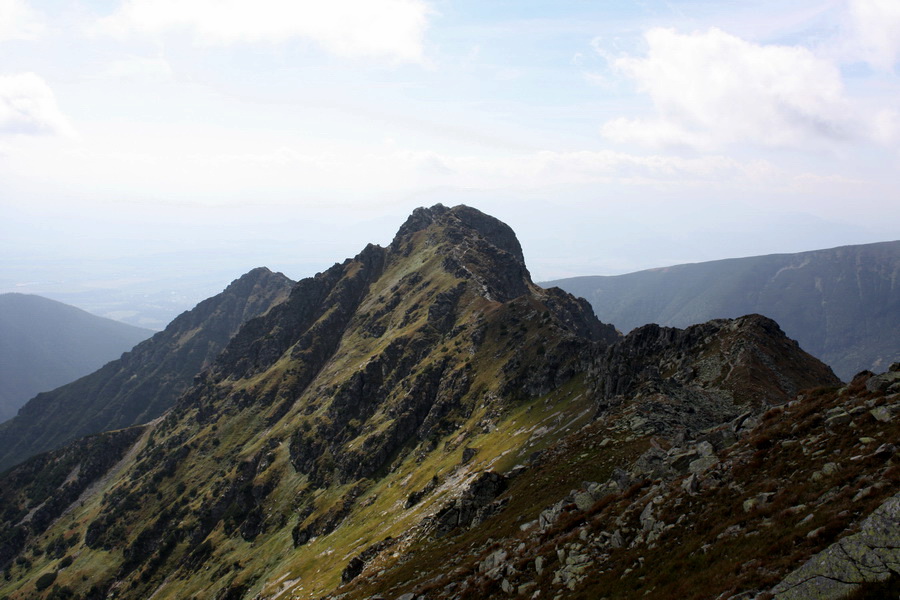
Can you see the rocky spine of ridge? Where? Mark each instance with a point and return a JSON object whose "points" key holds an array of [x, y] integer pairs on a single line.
{"points": [[472, 259], [368, 365], [842, 304], [400, 417], [687, 380], [145, 381]]}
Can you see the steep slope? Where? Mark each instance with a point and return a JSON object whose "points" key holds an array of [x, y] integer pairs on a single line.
{"points": [[144, 382], [45, 344], [842, 304], [799, 503], [382, 411]]}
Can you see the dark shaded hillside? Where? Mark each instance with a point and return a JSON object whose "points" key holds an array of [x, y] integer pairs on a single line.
{"points": [[143, 383], [842, 305], [410, 418], [45, 343]]}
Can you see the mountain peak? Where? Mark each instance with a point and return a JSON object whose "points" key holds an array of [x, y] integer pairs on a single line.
{"points": [[429, 398], [464, 220], [474, 246]]}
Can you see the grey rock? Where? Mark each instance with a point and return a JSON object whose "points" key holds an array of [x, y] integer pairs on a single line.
{"points": [[647, 518], [758, 500], [830, 468], [617, 540], [881, 413], [705, 449], [881, 383], [871, 555], [493, 561], [622, 478], [474, 505], [702, 464], [839, 419], [549, 516], [691, 484], [682, 460], [886, 451], [583, 500], [599, 491]]}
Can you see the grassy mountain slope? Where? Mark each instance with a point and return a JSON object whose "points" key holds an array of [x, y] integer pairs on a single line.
{"points": [[397, 413], [45, 344], [842, 304], [144, 382]]}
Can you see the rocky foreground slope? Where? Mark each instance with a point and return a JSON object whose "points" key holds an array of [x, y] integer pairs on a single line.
{"points": [[422, 421]]}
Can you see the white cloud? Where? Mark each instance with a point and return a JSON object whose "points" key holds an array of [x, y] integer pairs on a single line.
{"points": [[875, 26], [28, 106], [138, 68], [18, 21], [392, 29], [711, 89]]}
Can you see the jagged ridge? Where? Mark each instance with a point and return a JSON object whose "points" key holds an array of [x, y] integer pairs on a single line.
{"points": [[145, 381], [378, 392]]}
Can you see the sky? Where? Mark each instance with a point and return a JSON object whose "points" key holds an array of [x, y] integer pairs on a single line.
{"points": [[153, 150]]}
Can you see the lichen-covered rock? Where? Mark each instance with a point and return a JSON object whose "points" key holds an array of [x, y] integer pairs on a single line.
{"points": [[871, 555]]}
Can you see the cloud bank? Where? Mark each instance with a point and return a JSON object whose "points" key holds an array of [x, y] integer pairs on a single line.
{"points": [[711, 89], [875, 27], [384, 29], [28, 107], [18, 21]]}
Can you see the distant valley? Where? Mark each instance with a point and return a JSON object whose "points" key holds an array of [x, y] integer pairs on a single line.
{"points": [[842, 305], [44, 344], [143, 383]]}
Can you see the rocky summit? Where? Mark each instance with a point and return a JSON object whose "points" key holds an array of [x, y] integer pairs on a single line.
{"points": [[423, 421]]}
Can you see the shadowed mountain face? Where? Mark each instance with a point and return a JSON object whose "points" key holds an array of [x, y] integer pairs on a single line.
{"points": [[144, 382], [44, 344], [408, 413], [842, 305]]}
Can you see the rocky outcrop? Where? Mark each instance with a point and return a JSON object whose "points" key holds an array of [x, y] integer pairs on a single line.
{"points": [[37, 492], [693, 379], [359, 562], [872, 555], [473, 506], [840, 304]]}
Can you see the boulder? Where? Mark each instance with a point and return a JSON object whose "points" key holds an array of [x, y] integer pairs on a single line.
{"points": [[871, 555]]}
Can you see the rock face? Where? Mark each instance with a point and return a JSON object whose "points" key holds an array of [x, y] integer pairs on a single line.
{"points": [[842, 305], [423, 421], [39, 491], [870, 556], [705, 375], [144, 382]]}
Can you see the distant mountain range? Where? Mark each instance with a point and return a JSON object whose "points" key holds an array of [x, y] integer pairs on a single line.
{"points": [[842, 305], [45, 344], [144, 382]]}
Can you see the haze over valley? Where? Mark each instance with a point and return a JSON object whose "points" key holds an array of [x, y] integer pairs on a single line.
{"points": [[320, 363]]}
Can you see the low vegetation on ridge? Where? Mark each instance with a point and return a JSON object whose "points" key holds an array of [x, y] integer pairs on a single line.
{"points": [[422, 421]]}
